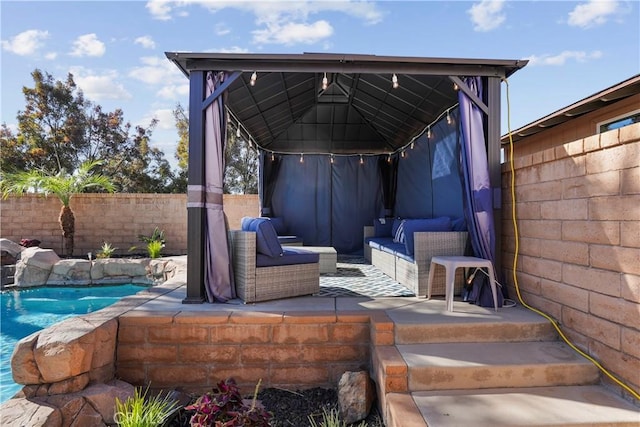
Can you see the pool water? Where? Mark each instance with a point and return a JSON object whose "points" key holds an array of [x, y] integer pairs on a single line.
{"points": [[24, 312]]}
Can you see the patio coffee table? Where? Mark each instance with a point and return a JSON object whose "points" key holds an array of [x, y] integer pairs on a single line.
{"points": [[328, 256]]}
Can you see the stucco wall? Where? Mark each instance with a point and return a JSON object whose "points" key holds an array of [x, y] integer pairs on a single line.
{"points": [[578, 212], [114, 218]]}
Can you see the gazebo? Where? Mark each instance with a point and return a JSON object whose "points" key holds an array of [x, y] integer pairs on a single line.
{"points": [[342, 139]]}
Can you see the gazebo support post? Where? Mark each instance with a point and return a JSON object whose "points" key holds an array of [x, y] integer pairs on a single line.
{"points": [[495, 165], [195, 192]]}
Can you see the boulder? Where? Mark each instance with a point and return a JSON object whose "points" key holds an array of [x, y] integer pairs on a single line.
{"points": [[30, 412], [70, 385], [70, 272], [355, 396], [115, 268], [23, 363], [102, 397], [64, 350], [34, 266], [69, 406], [10, 247]]}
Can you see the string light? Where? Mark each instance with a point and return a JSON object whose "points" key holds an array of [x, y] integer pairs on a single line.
{"points": [[455, 86], [394, 81], [412, 144], [361, 160], [254, 77], [301, 158], [448, 118], [388, 158], [332, 159], [429, 132], [402, 154], [325, 82], [273, 157], [238, 132]]}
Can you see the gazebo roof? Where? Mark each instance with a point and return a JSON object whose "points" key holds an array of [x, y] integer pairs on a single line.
{"points": [[359, 111]]}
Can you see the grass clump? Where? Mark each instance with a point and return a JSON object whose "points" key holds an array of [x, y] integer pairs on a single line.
{"points": [[331, 418], [140, 410]]}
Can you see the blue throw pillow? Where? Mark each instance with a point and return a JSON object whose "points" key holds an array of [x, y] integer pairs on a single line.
{"points": [[278, 224], [431, 224], [382, 227], [399, 236], [394, 227], [267, 242]]}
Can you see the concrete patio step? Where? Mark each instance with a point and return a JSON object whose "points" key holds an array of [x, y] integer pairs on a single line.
{"points": [[590, 405], [469, 323], [452, 366]]}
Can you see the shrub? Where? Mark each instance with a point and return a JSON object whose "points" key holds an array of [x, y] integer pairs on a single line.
{"points": [[224, 406], [106, 251], [140, 411], [154, 248]]}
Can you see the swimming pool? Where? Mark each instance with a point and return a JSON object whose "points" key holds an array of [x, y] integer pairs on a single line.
{"points": [[26, 311]]}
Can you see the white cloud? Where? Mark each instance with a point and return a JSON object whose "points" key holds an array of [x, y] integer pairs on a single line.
{"points": [[564, 57], [291, 33], [487, 15], [174, 92], [165, 118], [146, 42], [88, 45], [157, 71], [222, 30], [592, 13], [273, 17], [99, 86], [51, 56], [26, 43]]}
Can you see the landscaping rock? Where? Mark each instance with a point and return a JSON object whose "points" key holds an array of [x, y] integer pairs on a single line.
{"points": [[64, 350], [102, 397], [70, 385], [355, 396], [10, 247], [119, 268], [34, 266], [30, 412], [23, 363], [70, 272]]}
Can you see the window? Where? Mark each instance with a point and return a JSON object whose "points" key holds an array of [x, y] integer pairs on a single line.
{"points": [[618, 122]]}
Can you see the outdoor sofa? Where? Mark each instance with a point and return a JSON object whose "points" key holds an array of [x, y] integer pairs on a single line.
{"points": [[263, 270], [403, 248]]}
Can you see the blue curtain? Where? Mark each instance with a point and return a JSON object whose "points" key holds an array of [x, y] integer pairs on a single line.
{"points": [[478, 200]]}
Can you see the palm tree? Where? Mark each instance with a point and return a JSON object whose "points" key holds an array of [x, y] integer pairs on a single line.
{"points": [[63, 185]]}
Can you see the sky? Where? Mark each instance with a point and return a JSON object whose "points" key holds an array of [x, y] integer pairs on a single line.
{"points": [[116, 49]]}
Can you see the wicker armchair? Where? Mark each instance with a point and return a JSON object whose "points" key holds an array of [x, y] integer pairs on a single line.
{"points": [[255, 284]]}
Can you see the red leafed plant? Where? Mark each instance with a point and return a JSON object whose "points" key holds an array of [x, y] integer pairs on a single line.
{"points": [[224, 407]]}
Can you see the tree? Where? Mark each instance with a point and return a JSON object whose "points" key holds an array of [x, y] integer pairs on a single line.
{"points": [[63, 185], [58, 130], [241, 160]]}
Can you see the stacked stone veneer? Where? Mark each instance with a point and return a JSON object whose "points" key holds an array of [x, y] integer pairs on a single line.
{"points": [[195, 350], [114, 218], [578, 211]]}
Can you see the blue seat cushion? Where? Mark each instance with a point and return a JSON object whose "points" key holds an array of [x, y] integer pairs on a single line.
{"points": [[393, 248], [377, 242], [289, 257], [266, 237], [427, 224]]}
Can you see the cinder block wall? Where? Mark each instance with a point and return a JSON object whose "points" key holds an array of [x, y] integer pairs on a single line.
{"points": [[115, 218], [287, 350], [578, 211]]}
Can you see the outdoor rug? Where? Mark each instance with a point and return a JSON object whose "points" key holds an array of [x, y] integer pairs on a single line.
{"points": [[355, 277]]}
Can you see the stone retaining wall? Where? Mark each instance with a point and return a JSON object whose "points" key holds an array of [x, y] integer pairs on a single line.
{"points": [[196, 350]]}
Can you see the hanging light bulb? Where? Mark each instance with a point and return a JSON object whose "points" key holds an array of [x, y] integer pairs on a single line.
{"points": [[448, 118], [301, 158], [332, 159], [429, 132], [388, 158], [402, 154], [361, 160], [238, 132], [254, 77], [455, 86], [273, 157], [412, 144], [325, 82], [394, 81]]}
